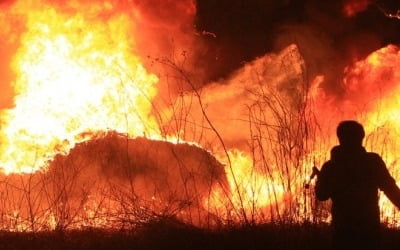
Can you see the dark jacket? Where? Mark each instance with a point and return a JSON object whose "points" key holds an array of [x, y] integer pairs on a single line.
{"points": [[351, 179]]}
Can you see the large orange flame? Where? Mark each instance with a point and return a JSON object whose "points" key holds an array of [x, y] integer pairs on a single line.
{"points": [[76, 74]]}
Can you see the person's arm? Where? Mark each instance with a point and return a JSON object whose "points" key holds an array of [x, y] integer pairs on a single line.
{"points": [[387, 183], [323, 187]]}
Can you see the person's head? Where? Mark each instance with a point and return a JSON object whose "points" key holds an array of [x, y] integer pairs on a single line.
{"points": [[350, 133]]}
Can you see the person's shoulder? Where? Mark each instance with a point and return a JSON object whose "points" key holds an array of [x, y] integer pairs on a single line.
{"points": [[373, 155], [374, 158], [327, 165]]}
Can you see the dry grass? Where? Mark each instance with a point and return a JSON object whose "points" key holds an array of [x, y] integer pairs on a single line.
{"points": [[170, 234]]}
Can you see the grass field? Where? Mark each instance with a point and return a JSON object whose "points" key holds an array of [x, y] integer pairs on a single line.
{"points": [[174, 235]]}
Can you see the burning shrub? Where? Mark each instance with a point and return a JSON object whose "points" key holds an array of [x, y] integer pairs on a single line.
{"points": [[156, 175]]}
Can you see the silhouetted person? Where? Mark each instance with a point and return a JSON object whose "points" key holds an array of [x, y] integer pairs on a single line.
{"points": [[351, 179]]}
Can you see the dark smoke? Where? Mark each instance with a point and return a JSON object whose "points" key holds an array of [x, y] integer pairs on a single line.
{"points": [[327, 39]]}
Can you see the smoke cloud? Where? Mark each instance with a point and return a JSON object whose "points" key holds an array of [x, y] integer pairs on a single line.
{"points": [[328, 39]]}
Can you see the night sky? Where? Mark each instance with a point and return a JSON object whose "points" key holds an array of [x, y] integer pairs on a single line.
{"points": [[326, 37]]}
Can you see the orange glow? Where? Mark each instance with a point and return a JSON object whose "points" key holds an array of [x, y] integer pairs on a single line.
{"points": [[353, 7], [251, 190]]}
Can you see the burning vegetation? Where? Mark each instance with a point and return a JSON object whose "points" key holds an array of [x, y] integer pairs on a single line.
{"points": [[119, 112]]}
